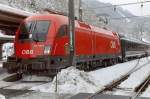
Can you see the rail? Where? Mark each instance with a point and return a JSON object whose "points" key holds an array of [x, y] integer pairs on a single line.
{"points": [[118, 81], [141, 87]]}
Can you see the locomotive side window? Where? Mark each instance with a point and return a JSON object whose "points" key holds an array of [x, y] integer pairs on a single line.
{"points": [[25, 30], [63, 31]]}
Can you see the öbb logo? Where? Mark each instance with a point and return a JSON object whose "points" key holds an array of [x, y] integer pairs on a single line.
{"points": [[112, 44], [27, 52]]}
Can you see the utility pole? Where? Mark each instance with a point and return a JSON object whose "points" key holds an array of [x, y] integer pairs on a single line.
{"points": [[80, 10], [72, 31]]}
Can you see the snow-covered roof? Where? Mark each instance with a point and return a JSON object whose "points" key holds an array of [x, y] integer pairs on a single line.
{"points": [[145, 40], [133, 40]]}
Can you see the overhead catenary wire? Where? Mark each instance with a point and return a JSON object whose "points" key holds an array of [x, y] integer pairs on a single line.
{"points": [[124, 4], [129, 17], [115, 8]]}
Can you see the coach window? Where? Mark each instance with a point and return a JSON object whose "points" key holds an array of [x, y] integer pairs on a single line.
{"points": [[63, 31]]}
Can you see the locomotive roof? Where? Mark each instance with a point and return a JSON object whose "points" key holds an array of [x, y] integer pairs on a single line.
{"points": [[64, 19]]}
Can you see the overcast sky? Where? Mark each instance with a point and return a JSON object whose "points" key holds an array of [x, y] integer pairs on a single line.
{"points": [[134, 9]]}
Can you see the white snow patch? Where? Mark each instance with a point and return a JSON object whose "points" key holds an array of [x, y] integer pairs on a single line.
{"points": [[136, 78], [36, 78], [2, 97], [71, 80], [2, 82], [22, 86], [146, 93], [145, 40], [109, 74], [127, 87]]}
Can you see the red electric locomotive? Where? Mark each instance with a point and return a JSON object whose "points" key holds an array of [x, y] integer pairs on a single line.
{"points": [[42, 45]]}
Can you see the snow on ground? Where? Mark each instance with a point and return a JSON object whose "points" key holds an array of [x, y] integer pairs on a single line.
{"points": [[74, 81], [146, 93], [3, 83], [36, 78], [136, 78], [40, 95], [71, 80], [133, 81], [3, 75], [2, 97], [22, 85], [107, 75]]}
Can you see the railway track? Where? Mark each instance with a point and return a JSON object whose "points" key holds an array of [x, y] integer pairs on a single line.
{"points": [[13, 85], [24, 82], [8, 92], [16, 79], [117, 82], [142, 87]]}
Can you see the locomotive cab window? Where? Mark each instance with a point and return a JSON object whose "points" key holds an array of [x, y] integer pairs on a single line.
{"points": [[40, 30], [25, 30], [34, 30], [63, 31]]}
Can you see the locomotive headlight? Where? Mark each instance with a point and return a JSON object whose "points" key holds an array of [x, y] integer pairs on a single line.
{"points": [[47, 49]]}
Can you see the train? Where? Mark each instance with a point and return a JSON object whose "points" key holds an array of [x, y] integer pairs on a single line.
{"points": [[42, 46]]}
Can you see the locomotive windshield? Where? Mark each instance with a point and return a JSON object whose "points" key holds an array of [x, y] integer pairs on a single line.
{"points": [[35, 30]]}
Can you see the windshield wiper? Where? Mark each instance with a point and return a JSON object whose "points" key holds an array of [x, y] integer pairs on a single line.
{"points": [[34, 34]]}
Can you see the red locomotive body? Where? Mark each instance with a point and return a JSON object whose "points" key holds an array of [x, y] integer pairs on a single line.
{"points": [[42, 44], [31, 45]]}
